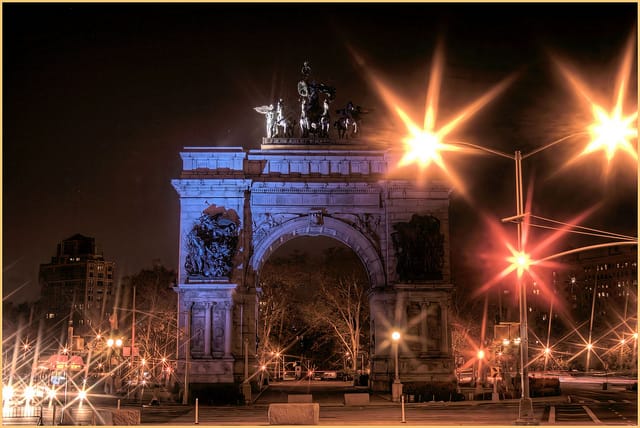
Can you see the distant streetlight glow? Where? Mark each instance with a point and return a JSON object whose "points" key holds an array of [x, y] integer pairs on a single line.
{"points": [[7, 394], [29, 393], [481, 354], [395, 336]]}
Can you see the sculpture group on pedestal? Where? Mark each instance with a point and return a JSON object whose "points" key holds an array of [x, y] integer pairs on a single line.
{"points": [[211, 245], [315, 117]]}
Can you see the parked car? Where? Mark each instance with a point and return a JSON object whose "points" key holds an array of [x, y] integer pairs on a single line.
{"points": [[330, 375]]}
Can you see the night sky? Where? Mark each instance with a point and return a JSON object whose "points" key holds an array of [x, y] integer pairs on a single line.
{"points": [[99, 99]]}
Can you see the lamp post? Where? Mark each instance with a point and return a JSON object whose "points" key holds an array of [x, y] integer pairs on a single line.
{"points": [[610, 132], [521, 263], [111, 343], [396, 387]]}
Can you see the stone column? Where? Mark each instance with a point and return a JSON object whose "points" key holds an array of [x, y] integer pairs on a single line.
{"points": [[423, 325], [207, 329], [227, 329], [444, 347]]}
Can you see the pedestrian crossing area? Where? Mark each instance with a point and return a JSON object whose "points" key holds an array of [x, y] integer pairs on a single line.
{"points": [[579, 400]]}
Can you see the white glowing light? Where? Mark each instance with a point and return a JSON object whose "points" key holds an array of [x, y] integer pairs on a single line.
{"points": [[7, 393], [612, 132], [29, 393]]}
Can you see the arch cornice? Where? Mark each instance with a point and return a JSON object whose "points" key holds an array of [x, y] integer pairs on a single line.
{"points": [[329, 227]]}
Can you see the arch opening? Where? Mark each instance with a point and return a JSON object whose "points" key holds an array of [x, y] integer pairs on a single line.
{"points": [[313, 311]]}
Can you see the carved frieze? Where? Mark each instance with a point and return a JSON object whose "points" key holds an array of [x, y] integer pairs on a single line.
{"points": [[263, 223], [366, 223]]}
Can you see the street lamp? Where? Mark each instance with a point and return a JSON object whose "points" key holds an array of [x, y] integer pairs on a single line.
{"points": [[609, 133], [520, 260], [396, 388]]}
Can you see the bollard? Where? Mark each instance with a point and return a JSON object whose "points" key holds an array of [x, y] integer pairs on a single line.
{"points": [[402, 400], [118, 404], [53, 418], [197, 412]]}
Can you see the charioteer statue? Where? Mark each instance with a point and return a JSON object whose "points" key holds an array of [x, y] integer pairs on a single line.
{"points": [[315, 117]]}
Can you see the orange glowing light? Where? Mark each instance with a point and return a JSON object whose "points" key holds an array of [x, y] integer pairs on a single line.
{"points": [[611, 130], [395, 336], [424, 144], [480, 354]]}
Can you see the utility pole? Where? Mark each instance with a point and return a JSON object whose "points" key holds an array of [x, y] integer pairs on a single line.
{"points": [[133, 325]]}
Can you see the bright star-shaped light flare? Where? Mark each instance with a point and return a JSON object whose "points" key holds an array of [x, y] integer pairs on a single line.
{"points": [[520, 261], [527, 259], [423, 147], [612, 130], [425, 143]]}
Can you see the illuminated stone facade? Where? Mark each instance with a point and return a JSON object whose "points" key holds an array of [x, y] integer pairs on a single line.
{"points": [[314, 188]]}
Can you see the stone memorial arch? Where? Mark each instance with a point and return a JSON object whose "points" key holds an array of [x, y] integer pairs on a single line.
{"points": [[238, 206]]}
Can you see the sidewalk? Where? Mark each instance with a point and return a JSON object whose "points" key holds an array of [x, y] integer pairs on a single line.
{"points": [[384, 399]]}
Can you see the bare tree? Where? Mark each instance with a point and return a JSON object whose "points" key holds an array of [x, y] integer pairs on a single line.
{"points": [[282, 285], [155, 314], [342, 305]]}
